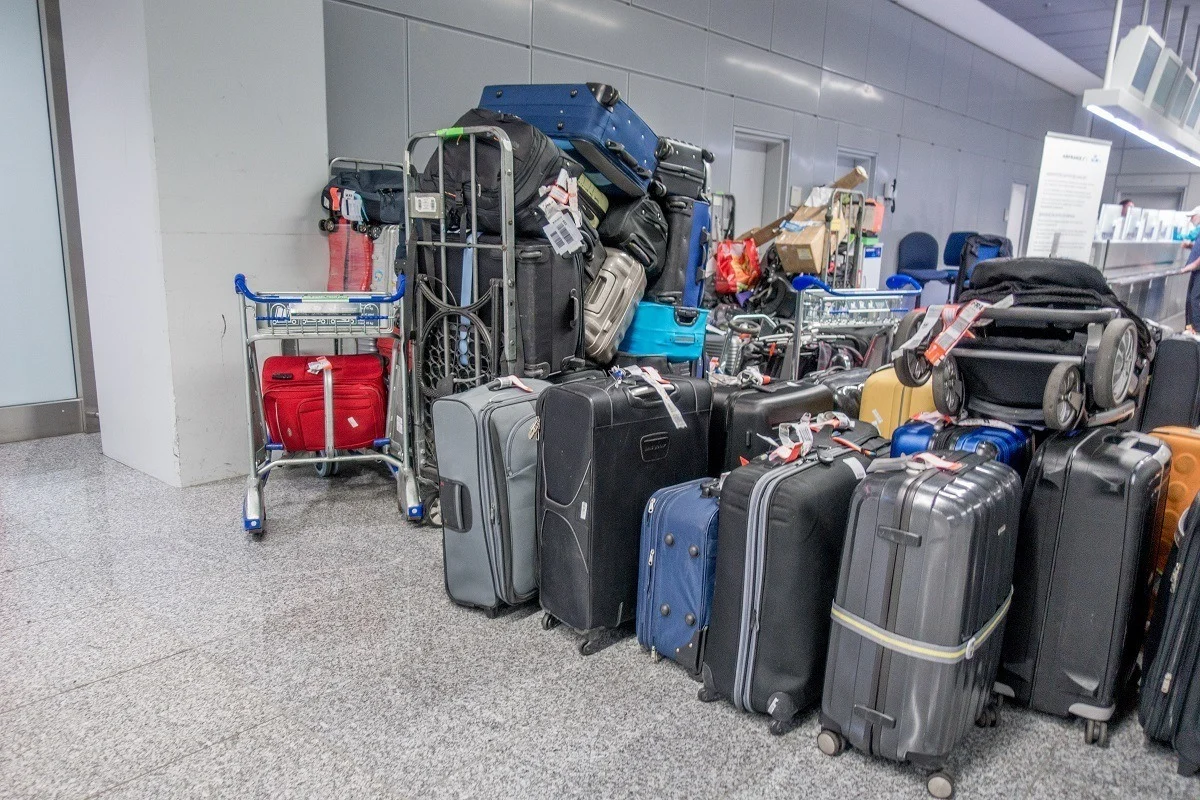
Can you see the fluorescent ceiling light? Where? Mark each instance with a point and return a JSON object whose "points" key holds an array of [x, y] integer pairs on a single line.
{"points": [[1145, 136]]}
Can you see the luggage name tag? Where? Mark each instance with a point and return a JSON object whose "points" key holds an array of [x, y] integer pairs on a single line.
{"points": [[960, 329], [795, 440], [560, 229], [352, 206], [935, 418]]}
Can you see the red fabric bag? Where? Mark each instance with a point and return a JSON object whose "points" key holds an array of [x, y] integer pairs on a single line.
{"points": [[736, 267], [294, 401]]}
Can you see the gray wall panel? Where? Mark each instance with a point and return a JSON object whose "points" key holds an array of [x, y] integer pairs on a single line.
{"points": [[746, 20], [718, 136], [670, 109], [555, 68], [847, 28], [926, 56], [887, 54], [693, 11], [501, 19], [744, 71], [956, 74], [799, 29], [379, 85]]}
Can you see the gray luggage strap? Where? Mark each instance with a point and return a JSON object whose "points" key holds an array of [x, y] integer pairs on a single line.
{"points": [[937, 653]]}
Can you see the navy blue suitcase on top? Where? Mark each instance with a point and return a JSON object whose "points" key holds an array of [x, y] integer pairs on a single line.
{"points": [[592, 124], [675, 579], [1010, 446]]}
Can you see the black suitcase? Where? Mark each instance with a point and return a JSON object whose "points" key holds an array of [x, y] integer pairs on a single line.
{"points": [[846, 385], [1091, 503], [1173, 396], [779, 543], [550, 291], [1169, 707], [742, 416], [682, 169], [671, 283], [604, 447], [639, 228], [922, 596]]}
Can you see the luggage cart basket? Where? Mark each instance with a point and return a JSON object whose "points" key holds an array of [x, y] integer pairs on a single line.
{"points": [[822, 309], [463, 336], [324, 315]]}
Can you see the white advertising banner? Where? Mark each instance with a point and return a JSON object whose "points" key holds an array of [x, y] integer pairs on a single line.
{"points": [[1070, 186]]}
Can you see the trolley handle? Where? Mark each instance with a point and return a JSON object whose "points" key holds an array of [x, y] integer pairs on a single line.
{"points": [[896, 287], [239, 285]]}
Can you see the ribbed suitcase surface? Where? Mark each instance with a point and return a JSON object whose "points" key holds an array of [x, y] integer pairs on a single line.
{"points": [[924, 584], [675, 579], [609, 305], [604, 448], [1091, 501], [779, 543], [1181, 488]]}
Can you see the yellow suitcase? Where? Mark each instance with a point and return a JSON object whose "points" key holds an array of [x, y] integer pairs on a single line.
{"points": [[887, 404]]}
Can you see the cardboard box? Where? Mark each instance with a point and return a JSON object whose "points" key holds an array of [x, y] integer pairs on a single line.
{"points": [[818, 199]]}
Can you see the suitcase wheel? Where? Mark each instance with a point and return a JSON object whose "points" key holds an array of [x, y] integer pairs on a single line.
{"points": [[940, 784], [778, 727], [1095, 733], [548, 621], [707, 695], [327, 469], [589, 647], [990, 716], [831, 743]]}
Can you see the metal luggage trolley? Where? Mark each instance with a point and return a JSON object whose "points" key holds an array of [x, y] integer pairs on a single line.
{"points": [[323, 315], [457, 345], [845, 268], [822, 309]]}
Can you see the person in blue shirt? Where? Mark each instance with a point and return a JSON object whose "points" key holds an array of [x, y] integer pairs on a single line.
{"points": [[1192, 308]]}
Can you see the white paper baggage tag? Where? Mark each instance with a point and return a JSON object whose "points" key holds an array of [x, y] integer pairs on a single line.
{"points": [[560, 229], [352, 206]]}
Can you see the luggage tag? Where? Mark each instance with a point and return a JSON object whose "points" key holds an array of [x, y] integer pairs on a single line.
{"points": [[560, 229], [960, 329], [651, 376], [352, 206]]}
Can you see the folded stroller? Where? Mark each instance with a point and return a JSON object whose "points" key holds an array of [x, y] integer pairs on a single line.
{"points": [[1064, 352]]}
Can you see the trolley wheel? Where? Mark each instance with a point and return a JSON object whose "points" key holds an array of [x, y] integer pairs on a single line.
{"points": [[327, 469], [1115, 363], [949, 391], [254, 513], [433, 512], [374, 231], [588, 647], [1063, 399], [912, 369], [491, 613], [940, 784], [831, 743], [1095, 733], [548, 621], [326, 225]]}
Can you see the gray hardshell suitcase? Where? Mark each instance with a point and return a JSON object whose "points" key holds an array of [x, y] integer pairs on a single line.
{"points": [[923, 591], [487, 463], [609, 304]]}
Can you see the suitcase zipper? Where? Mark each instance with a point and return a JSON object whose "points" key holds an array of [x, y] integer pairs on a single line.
{"points": [[496, 532], [760, 497]]}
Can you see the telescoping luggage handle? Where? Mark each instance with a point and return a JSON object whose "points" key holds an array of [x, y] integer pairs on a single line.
{"points": [[937, 653]]}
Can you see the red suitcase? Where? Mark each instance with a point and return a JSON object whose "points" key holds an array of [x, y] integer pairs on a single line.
{"points": [[294, 401]]}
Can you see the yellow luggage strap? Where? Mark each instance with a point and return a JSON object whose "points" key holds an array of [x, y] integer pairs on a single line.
{"points": [[940, 654]]}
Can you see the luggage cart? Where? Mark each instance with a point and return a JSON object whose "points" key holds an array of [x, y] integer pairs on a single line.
{"points": [[323, 315], [456, 346], [823, 310]]}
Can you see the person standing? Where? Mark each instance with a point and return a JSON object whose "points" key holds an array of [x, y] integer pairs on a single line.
{"points": [[1192, 308]]}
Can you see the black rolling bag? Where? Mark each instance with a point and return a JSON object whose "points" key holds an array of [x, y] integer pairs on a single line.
{"points": [[1173, 397], [640, 229], [779, 544], [742, 416], [1092, 502], [604, 447], [682, 169]]}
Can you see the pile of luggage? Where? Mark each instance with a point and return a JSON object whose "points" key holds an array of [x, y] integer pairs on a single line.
{"points": [[900, 570]]}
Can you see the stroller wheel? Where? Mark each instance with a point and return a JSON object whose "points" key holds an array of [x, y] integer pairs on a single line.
{"points": [[1062, 401], [1115, 362], [948, 388], [912, 369]]}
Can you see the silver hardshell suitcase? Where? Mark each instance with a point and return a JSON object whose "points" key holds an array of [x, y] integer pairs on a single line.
{"points": [[486, 440], [924, 588], [609, 304]]}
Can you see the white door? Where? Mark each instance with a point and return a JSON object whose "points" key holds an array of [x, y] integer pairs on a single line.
{"points": [[749, 170], [1016, 217]]}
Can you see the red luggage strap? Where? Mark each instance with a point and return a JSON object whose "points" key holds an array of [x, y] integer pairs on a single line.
{"points": [[921, 461], [509, 382]]}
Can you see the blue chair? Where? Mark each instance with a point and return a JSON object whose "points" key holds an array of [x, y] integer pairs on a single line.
{"points": [[952, 254], [917, 257]]}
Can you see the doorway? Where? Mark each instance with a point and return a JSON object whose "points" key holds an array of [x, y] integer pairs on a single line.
{"points": [[759, 176], [1015, 217], [848, 159]]}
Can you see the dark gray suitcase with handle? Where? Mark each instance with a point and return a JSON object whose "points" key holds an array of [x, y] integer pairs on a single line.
{"points": [[487, 459], [923, 591]]}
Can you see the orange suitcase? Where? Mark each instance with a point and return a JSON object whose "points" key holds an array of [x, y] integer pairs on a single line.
{"points": [[1181, 489]]}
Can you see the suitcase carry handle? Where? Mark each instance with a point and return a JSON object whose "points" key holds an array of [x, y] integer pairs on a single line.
{"points": [[627, 157], [686, 316], [646, 397], [455, 501], [576, 309], [639, 252]]}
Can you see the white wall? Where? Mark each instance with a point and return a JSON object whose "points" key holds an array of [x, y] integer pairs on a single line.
{"points": [[113, 143], [954, 123], [199, 135]]}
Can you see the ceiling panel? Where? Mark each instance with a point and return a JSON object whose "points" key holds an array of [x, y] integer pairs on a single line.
{"points": [[1079, 29]]}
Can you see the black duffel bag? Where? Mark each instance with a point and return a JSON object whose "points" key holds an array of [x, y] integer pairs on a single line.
{"points": [[638, 227], [537, 162], [381, 190]]}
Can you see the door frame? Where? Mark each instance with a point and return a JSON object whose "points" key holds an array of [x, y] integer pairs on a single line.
{"points": [[78, 415], [778, 161]]}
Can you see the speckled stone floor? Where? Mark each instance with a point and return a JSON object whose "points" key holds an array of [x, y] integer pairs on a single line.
{"points": [[148, 648]]}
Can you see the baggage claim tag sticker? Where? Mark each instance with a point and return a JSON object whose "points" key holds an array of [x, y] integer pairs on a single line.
{"points": [[560, 229]]}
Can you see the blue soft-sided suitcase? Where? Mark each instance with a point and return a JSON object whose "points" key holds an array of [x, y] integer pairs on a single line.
{"points": [[1010, 446], [592, 123], [693, 287], [674, 332], [675, 579]]}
